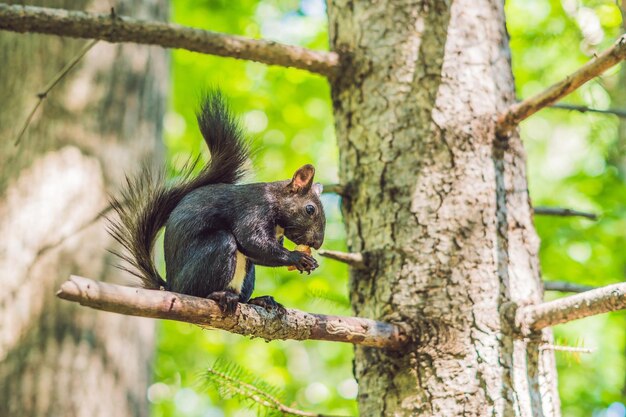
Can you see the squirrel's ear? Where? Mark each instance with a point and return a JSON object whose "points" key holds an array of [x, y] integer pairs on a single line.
{"points": [[302, 179], [318, 188]]}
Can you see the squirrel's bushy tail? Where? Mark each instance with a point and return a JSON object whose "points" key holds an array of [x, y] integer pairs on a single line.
{"points": [[147, 202]]}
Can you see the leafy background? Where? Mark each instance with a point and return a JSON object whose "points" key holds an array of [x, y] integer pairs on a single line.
{"points": [[574, 160]]}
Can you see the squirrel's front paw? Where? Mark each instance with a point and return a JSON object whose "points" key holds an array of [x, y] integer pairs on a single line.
{"points": [[226, 300], [303, 262]]}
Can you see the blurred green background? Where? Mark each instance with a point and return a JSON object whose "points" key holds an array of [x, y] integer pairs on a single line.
{"points": [[575, 160]]}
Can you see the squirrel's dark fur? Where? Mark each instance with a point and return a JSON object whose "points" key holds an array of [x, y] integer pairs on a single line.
{"points": [[215, 229]]}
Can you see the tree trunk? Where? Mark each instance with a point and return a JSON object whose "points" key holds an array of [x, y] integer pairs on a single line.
{"points": [[618, 155], [57, 358], [618, 100], [440, 209]]}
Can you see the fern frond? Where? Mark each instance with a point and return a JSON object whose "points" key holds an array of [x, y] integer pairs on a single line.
{"points": [[232, 381], [329, 298]]}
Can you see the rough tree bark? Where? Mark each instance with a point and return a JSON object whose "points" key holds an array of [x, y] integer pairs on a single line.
{"points": [[439, 208], [57, 358]]}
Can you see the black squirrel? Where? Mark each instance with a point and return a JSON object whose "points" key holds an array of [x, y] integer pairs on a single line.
{"points": [[217, 230]]}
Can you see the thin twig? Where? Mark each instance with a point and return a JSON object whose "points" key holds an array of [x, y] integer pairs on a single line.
{"points": [[584, 109], [350, 258], [27, 121], [572, 349], [115, 28], [590, 303], [563, 212], [540, 211], [509, 119], [333, 188], [12, 294], [248, 319], [41, 96], [566, 287]]}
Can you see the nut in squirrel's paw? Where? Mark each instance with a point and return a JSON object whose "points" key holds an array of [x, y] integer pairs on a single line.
{"points": [[300, 248]]}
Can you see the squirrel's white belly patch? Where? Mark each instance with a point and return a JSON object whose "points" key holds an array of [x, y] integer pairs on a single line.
{"points": [[240, 265], [240, 272]]}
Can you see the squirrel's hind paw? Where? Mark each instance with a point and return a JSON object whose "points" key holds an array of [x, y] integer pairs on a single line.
{"points": [[268, 303], [226, 300]]}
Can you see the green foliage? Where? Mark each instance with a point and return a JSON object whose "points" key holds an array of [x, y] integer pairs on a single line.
{"points": [[572, 162], [328, 298], [232, 381]]}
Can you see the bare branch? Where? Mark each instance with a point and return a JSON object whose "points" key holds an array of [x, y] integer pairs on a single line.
{"points": [[572, 349], [113, 28], [584, 109], [508, 120], [352, 259], [29, 118], [563, 212], [334, 188], [540, 211], [566, 309], [248, 320], [43, 94], [566, 286]]}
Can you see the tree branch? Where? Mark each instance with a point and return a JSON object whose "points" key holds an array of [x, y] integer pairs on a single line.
{"points": [[333, 188], [508, 120], [350, 258], [602, 300], [248, 320], [43, 94], [570, 349], [113, 28], [584, 109], [566, 286], [563, 212], [540, 211]]}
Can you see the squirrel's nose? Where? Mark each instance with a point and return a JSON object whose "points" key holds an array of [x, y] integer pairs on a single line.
{"points": [[317, 242]]}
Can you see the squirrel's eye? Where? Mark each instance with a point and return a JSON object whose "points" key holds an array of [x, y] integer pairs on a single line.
{"points": [[310, 209]]}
